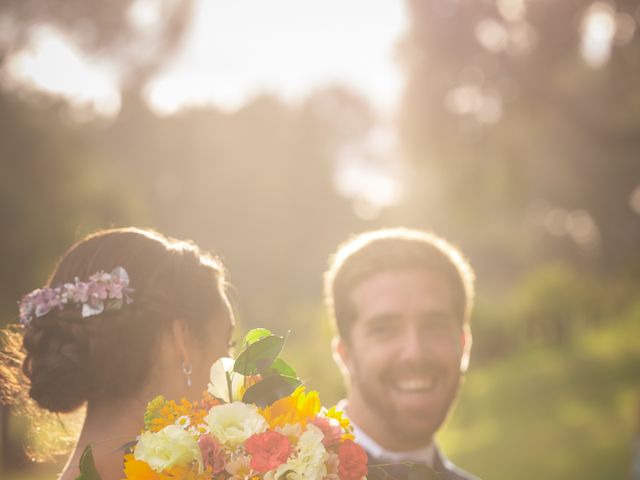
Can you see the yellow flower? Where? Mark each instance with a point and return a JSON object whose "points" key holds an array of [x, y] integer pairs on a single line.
{"points": [[299, 407], [342, 419], [138, 470], [154, 407], [172, 411]]}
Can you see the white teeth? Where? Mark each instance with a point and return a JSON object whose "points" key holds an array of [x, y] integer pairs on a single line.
{"points": [[415, 384]]}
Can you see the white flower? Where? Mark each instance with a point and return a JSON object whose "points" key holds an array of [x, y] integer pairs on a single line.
{"points": [[332, 467], [310, 458], [292, 431], [233, 423], [183, 422], [169, 447], [220, 371], [197, 430], [239, 468]]}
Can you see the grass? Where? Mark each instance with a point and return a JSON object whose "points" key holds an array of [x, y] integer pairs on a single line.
{"points": [[552, 413]]}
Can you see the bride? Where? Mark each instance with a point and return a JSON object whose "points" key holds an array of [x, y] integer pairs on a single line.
{"points": [[127, 314]]}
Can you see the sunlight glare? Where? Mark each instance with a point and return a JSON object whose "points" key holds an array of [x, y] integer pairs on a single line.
{"points": [[52, 64], [144, 14], [238, 50], [512, 10], [370, 173], [598, 31]]}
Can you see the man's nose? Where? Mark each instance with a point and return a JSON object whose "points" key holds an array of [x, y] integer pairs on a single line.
{"points": [[415, 346]]}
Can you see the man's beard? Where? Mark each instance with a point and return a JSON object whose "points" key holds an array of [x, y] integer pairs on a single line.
{"points": [[412, 427]]}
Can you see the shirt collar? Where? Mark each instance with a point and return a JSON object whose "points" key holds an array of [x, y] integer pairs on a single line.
{"points": [[424, 455]]}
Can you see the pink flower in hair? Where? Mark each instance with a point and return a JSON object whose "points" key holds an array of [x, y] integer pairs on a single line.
{"points": [[98, 291], [89, 296], [116, 288], [80, 294]]}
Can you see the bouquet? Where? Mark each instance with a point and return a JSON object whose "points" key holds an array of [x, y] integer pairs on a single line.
{"points": [[255, 421]]}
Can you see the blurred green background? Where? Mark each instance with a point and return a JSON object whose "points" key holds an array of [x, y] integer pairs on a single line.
{"points": [[517, 137]]}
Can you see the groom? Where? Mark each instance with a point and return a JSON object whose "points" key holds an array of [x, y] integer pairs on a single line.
{"points": [[401, 301]]}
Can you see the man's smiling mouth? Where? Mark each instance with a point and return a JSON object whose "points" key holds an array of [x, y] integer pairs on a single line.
{"points": [[415, 384]]}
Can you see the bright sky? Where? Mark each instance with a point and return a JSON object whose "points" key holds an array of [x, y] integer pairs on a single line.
{"points": [[236, 50]]}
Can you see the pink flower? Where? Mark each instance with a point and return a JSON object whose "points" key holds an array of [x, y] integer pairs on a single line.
{"points": [[81, 292], [268, 450], [45, 299], [353, 461], [212, 454], [98, 291], [27, 308], [89, 296], [116, 288], [332, 432]]}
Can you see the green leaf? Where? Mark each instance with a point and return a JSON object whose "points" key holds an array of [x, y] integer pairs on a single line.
{"points": [[283, 368], [129, 446], [270, 389], [256, 334], [88, 466], [422, 472], [263, 351]]}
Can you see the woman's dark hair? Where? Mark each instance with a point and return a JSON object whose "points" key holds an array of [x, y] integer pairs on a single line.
{"points": [[71, 360]]}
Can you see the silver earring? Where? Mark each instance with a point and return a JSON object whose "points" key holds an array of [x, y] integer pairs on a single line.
{"points": [[187, 370]]}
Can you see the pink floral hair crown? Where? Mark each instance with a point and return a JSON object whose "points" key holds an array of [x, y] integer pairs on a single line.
{"points": [[103, 291]]}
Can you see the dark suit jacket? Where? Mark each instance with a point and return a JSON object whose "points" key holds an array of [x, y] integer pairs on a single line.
{"points": [[442, 466]]}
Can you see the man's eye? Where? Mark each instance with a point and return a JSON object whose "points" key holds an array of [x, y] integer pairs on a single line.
{"points": [[381, 330], [440, 326]]}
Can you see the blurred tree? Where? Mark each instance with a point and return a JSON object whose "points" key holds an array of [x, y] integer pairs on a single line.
{"points": [[137, 35], [256, 186], [514, 136], [54, 185]]}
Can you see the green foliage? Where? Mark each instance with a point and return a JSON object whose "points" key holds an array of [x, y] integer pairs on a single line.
{"points": [[270, 389], [550, 412], [559, 133], [310, 350], [153, 410], [551, 304], [87, 466], [260, 357], [283, 368], [256, 334]]}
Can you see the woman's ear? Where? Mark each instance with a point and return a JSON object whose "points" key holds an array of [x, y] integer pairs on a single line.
{"points": [[180, 341]]}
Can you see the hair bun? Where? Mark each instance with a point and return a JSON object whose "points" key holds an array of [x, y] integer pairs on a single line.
{"points": [[57, 364]]}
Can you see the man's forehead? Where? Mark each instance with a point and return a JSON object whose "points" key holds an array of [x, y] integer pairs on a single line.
{"points": [[404, 289]]}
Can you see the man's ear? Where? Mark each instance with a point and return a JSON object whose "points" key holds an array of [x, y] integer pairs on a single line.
{"points": [[341, 356], [467, 341]]}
